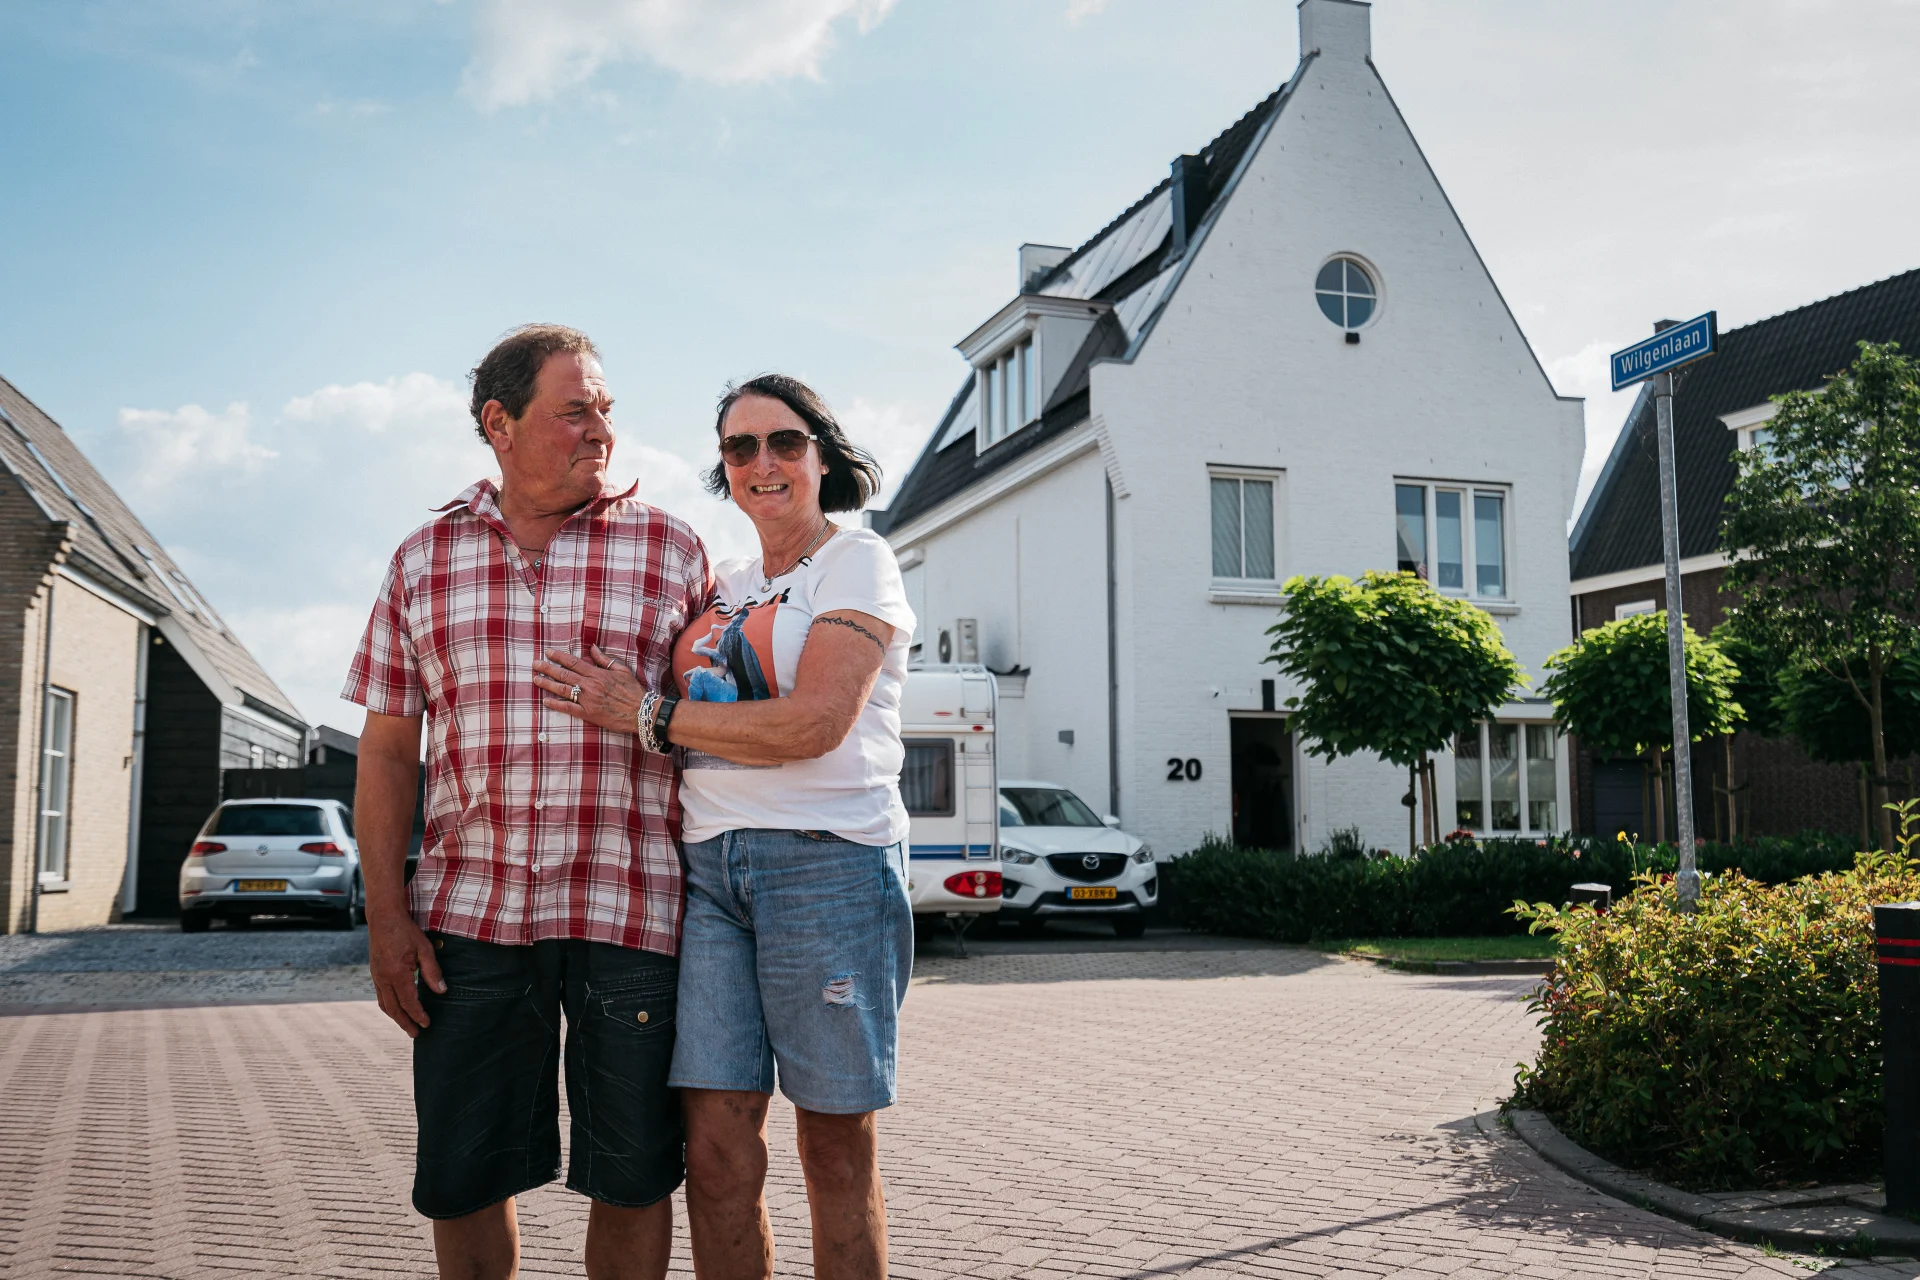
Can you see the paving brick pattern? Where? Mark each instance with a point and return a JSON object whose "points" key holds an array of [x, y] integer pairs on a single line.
{"points": [[1198, 1114]]}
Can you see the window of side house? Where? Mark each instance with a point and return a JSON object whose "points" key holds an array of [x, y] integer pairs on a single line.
{"points": [[1243, 541], [1506, 779], [1346, 292], [1009, 388], [56, 783], [1454, 536]]}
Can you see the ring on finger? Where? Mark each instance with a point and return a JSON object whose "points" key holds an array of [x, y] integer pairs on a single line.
{"points": [[573, 694]]}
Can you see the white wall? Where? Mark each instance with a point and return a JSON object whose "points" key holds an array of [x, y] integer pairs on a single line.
{"points": [[1032, 569], [1243, 369]]}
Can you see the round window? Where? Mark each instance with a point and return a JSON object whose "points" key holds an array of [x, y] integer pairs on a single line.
{"points": [[1346, 293]]}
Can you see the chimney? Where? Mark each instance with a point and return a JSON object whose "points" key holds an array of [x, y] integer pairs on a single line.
{"points": [[1335, 29], [1185, 193], [1038, 259]]}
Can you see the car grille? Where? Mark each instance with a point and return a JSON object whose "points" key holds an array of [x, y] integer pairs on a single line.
{"points": [[1072, 866]]}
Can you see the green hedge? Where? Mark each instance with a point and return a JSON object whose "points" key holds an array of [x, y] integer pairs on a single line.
{"points": [[1736, 1047], [1464, 889]]}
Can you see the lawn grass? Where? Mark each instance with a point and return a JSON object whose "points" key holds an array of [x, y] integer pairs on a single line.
{"points": [[1520, 947]]}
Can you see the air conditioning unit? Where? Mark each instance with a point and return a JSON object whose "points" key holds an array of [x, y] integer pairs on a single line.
{"points": [[966, 635]]}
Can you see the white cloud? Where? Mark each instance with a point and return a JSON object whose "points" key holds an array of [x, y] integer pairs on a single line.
{"points": [[892, 432], [1079, 9], [178, 453], [530, 50]]}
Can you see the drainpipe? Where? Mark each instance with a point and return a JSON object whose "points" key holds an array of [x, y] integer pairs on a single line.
{"points": [[40, 768], [130, 888], [1113, 665]]}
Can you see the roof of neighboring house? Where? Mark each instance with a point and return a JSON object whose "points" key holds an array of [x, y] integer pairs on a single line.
{"points": [[1130, 264], [1798, 350], [111, 546]]}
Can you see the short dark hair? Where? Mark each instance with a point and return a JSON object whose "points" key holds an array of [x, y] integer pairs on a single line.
{"points": [[509, 371], [852, 478]]}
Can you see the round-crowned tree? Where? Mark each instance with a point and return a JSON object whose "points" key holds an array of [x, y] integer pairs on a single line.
{"points": [[1388, 665], [1610, 688]]}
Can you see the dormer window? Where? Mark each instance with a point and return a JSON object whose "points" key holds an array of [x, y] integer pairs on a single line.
{"points": [[1009, 392]]}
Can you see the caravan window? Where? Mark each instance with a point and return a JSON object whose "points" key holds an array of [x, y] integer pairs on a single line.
{"points": [[926, 779]]}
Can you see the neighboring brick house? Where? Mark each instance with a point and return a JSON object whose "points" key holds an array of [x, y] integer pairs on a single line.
{"points": [[122, 694], [1721, 406]]}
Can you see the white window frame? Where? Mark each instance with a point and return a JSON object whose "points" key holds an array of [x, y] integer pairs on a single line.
{"points": [[1469, 563], [1526, 829], [1008, 387], [1634, 608], [1273, 477], [55, 831]]}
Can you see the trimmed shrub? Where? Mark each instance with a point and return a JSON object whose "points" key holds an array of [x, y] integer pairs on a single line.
{"points": [[1461, 888], [1738, 1046]]}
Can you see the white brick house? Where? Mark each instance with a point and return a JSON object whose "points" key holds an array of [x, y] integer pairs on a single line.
{"points": [[1286, 358]]}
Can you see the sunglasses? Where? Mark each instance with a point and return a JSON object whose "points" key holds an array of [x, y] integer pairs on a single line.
{"points": [[787, 444]]}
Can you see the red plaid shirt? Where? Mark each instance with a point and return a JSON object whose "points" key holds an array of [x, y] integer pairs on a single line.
{"points": [[538, 825]]}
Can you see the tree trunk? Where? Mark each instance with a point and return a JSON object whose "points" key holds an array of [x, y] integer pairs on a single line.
{"points": [[1659, 796], [1427, 832], [1866, 808], [1413, 787], [1733, 806], [1877, 718]]}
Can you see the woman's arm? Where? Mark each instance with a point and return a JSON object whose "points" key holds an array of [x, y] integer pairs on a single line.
{"points": [[838, 667]]}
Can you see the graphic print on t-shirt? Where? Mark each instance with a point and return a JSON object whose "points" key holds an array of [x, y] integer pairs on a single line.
{"points": [[726, 655]]}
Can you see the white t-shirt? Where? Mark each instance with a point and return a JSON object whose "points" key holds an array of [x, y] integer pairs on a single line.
{"points": [[747, 647]]}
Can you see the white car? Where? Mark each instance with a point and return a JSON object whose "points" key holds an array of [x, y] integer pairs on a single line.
{"points": [[273, 857], [1060, 860]]}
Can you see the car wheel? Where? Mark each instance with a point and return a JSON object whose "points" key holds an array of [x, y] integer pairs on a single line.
{"points": [[1129, 926], [358, 912], [195, 921]]}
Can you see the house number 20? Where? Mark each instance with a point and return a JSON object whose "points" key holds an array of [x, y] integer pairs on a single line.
{"points": [[1179, 770]]}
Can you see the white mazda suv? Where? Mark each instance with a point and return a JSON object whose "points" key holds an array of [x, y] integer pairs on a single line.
{"points": [[1060, 860]]}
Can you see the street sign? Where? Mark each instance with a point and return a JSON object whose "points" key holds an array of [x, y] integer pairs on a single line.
{"points": [[1664, 351]]}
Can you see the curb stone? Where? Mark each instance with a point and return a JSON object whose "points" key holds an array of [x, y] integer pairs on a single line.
{"points": [[1822, 1218], [1461, 968]]}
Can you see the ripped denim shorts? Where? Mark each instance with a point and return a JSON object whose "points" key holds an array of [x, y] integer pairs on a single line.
{"points": [[795, 955]]}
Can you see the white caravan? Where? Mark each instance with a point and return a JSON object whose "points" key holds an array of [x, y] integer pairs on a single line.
{"points": [[950, 784]]}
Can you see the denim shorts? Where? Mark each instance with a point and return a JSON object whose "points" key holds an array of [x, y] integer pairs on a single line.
{"points": [[796, 953], [486, 1074]]}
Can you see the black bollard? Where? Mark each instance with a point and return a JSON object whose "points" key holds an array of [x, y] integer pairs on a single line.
{"points": [[1897, 945], [1597, 896]]}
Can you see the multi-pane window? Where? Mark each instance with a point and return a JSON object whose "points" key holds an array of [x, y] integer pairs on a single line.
{"points": [[1345, 292], [1506, 779], [1243, 527], [1453, 536], [56, 783], [1009, 392], [926, 778]]}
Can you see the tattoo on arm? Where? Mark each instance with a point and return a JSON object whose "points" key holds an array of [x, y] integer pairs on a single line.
{"points": [[849, 622]]}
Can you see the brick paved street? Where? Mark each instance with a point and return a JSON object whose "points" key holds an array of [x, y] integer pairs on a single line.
{"points": [[1204, 1113]]}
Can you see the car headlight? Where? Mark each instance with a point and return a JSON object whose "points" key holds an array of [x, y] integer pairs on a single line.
{"points": [[1143, 854], [1018, 857]]}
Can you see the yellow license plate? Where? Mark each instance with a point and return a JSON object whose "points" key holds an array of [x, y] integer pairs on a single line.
{"points": [[1103, 893], [262, 886]]}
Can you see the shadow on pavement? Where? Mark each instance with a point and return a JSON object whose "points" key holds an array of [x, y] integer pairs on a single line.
{"points": [[150, 948]]}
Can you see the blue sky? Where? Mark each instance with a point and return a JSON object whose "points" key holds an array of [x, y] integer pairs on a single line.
{"points": [[248, 249]]}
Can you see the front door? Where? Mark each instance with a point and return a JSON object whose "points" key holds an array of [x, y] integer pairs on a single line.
{"points": [[1262, 782]]}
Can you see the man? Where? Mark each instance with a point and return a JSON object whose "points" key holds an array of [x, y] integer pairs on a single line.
{"points": [[549, 880]]}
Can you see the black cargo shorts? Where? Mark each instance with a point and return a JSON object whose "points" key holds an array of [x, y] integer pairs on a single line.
{"points": [[486, 1074]]}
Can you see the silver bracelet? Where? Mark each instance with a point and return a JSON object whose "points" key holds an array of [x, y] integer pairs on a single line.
{"points": [[649, 704]]}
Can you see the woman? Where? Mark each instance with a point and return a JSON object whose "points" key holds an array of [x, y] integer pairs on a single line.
{"points": [[798, 939]]}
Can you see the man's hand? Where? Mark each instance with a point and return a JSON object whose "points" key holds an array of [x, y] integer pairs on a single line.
{"points": [[398, 949], [609, 693]]}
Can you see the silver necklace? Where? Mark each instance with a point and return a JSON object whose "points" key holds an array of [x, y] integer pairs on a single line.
{"points": [[766, 579]]}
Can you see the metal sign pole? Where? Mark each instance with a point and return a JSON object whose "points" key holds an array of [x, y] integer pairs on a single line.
{"points": [[1687, 882]]}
